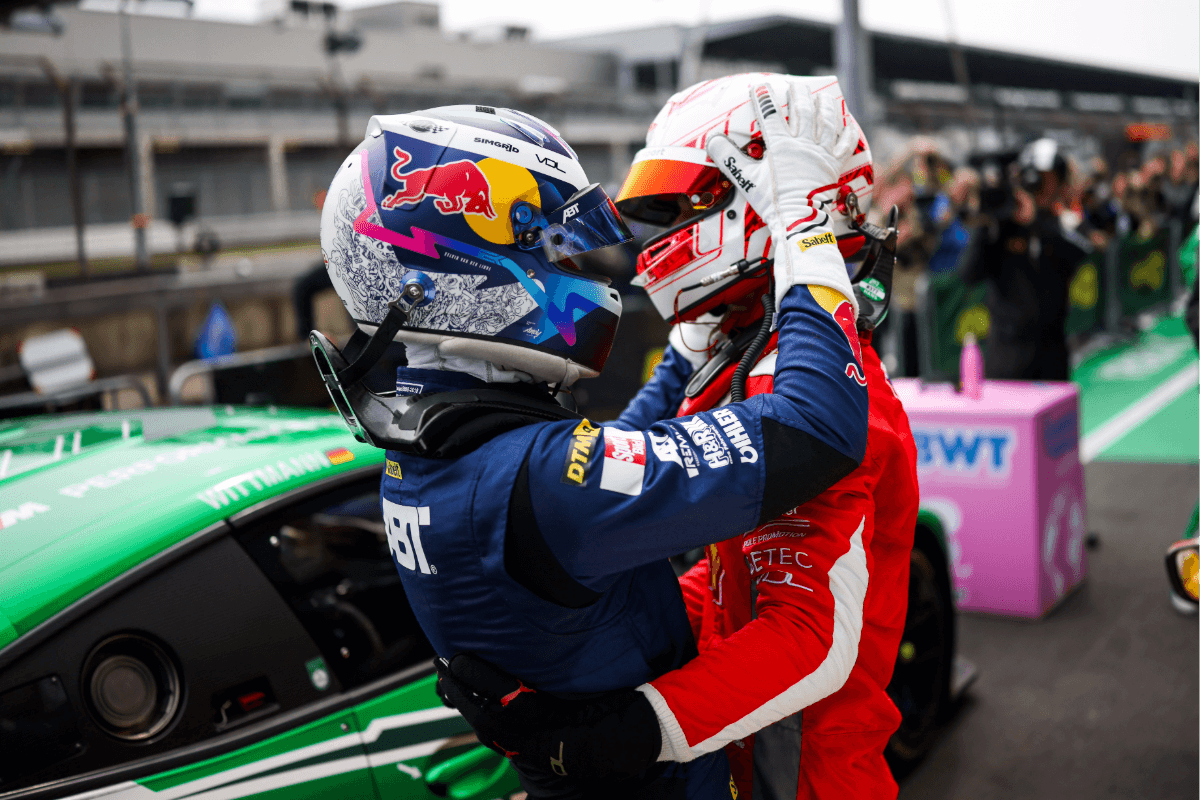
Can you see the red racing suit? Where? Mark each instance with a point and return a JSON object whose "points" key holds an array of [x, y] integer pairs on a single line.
{"points": [[763, 607]]}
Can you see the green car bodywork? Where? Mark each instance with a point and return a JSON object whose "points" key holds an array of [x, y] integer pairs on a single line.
{"points": [[86, 501], [92, 505]]}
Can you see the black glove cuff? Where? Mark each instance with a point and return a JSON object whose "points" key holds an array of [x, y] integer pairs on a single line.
{"points": [[640, 741]]}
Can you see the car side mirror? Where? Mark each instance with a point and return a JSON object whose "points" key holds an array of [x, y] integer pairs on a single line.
{"points": [[1183, 571]]}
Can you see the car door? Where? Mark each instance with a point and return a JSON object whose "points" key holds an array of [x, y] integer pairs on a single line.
{"points": [[327, 556]]}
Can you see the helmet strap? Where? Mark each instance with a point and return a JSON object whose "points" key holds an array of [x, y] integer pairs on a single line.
{"points": [[872, 283]]}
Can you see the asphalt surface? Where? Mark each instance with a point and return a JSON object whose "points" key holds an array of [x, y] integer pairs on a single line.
{"points": [[1099, 699]]}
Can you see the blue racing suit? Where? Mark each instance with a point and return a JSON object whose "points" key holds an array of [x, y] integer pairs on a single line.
{"points": [[545, 549]]}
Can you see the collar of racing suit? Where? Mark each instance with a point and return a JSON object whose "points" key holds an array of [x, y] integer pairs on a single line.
{"points": [[427, 357], [719, 386]]}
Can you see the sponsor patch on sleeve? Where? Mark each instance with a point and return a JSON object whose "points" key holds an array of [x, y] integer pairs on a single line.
{"points": [[393, 470], [806, 242], [735, 432], [624, 461], [668, 450], [579, 452]]}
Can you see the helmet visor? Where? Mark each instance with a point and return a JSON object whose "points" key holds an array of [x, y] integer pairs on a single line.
{"points": [[664, 191], [586, 222]]}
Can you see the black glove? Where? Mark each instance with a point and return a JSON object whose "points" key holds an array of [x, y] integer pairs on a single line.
{"points": [[615, 732]]}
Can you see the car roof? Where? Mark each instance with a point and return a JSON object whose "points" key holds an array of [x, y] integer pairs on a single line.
{"points": [[86, 497]]}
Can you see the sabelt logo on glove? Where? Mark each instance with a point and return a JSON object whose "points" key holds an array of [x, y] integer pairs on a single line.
{"points": [[813, 241], [735, 172]]}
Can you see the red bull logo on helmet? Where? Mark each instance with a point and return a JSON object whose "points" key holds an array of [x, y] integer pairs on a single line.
{"points": [[843, 313], [459, 187]]}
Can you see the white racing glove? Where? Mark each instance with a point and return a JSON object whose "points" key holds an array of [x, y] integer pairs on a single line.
{"points": [[803, 155]]}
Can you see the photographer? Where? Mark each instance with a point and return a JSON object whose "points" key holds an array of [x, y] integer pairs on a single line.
{"points": [[1021, 248]]}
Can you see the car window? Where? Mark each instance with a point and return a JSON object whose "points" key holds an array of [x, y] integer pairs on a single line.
{"points": [[329, 559], [179, 659]]}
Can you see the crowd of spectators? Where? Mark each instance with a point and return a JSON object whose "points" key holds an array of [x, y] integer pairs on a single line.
{"points": [[978, 219]]}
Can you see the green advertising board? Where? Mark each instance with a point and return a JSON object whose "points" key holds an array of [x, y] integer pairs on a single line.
{"points": [[1085, 296], [954, 310], [1142, 267]]}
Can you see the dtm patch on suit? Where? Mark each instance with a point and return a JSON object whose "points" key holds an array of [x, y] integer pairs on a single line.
{"points": [[579, 452], [624, 467]]}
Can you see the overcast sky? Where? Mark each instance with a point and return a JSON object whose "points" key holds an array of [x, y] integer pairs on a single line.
{"points": [[1157, 36]]}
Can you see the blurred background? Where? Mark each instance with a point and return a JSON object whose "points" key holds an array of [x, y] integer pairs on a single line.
{"points": [[163, 164]]}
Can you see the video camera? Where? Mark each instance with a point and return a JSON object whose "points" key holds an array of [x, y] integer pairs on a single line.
{"points": [[1003, 171]]}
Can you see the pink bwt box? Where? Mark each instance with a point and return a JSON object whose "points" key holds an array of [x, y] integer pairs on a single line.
{"points": [[1002, 473]]}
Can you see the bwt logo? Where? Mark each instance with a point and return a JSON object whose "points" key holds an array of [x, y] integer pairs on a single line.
{"points": [[965, 451]]}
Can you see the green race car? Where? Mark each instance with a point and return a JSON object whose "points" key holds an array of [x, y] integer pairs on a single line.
{"points": [[201, 603]]}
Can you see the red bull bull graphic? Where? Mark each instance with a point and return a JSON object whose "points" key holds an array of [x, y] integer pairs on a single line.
{"points": [[459, 187], [841, 310], [563, 300]]}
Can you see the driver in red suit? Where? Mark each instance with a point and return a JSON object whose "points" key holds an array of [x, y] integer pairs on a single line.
{"points": [[793, 661], [756, 629]]}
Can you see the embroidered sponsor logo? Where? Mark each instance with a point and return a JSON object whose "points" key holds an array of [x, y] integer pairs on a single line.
{"points": [[393, 470], [732, 168], [843, 314], [736, 433], [624, 466], [404, 535], [667, 450], [12, 516], [761, 562], [690, 461], [712, 448], [767, 557], [795, 531], [404, 387], [806, 242], [339, 455], [583, 442]]}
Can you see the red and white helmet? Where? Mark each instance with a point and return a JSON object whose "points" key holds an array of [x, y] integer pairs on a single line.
{"points": [[710, 224]]}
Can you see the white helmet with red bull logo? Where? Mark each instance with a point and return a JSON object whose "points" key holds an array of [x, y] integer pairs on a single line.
{"points": [[689, 269], [470, 216]]}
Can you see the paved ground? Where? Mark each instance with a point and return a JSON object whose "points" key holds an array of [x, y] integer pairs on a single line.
{"points": [[1100, 699]]}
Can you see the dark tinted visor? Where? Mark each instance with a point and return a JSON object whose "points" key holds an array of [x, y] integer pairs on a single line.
{"points": [[586, 222]]}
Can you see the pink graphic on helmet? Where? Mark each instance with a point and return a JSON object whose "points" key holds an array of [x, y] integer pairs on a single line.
{"points": [[459, 186]]}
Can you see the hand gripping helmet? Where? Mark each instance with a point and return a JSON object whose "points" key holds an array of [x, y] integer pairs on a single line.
{"points": [[461, 223], [710, 224]]}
